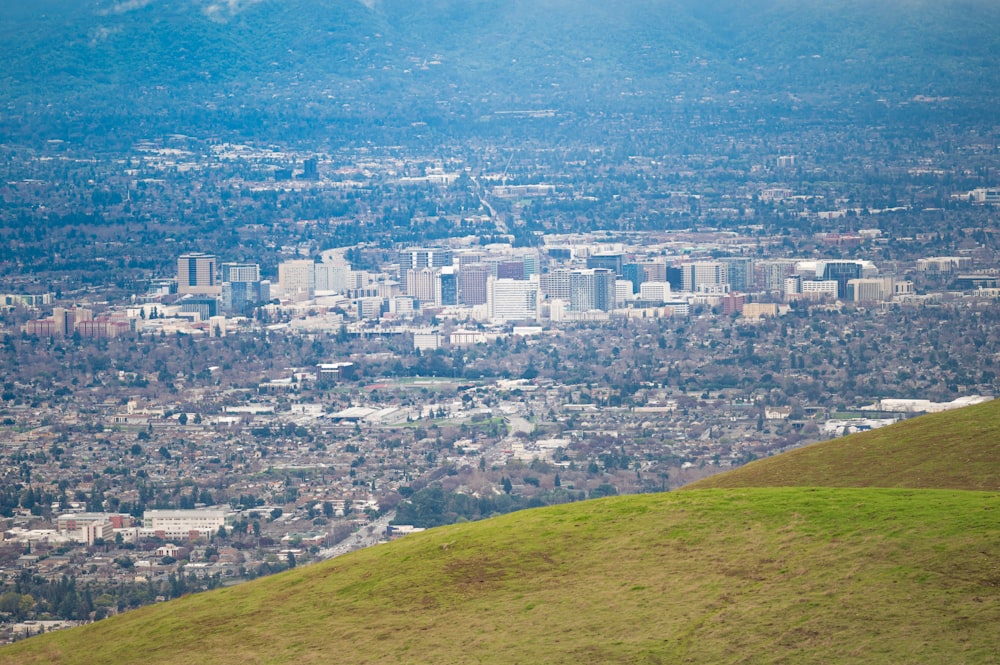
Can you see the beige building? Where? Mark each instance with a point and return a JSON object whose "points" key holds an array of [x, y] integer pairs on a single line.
{"points": [[182, 524], [196, 274], [297, 280]]}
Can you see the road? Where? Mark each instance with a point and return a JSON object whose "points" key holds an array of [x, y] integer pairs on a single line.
{"points": [[366, 536]]}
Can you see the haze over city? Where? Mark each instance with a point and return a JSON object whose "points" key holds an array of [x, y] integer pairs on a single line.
{"points": [[281, 280]]}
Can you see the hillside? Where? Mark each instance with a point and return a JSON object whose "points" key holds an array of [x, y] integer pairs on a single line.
{"points": [[721, 576], [245, 65], [752, 575], [951, 450]]}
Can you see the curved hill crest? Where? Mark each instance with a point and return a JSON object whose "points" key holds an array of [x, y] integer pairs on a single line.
{"points": [[951, 450]]}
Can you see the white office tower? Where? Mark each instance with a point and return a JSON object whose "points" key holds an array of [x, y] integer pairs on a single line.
{"points": [[331, 277], [654, 291], [871, 289], [623, 292], [512, 299], [793, 285], [297, 280], [422, 284]]}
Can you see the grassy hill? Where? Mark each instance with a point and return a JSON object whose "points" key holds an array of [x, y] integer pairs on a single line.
{"points": [[744, 575], [951, 450], [720, 576]]}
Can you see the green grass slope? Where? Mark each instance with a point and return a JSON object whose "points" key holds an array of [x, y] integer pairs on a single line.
{"points": [[725, 575], [953, 450], [780, 575]]}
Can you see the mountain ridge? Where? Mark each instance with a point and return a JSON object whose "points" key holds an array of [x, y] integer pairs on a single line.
{"points": [[392, 59]]}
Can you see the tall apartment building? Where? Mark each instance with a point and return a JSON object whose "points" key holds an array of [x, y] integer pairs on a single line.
{"points": [[770, 275], [739, 272], [417, 258], [240, 272], [624, 291], [703, 273], [555, 283], [422, 284], [196, 274], [592, 289]]}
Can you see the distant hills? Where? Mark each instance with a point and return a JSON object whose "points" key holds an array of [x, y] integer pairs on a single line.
{"points": [[217, 64], [844, 573]]}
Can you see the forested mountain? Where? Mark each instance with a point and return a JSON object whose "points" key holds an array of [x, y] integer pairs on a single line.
{"points": [[206, 65]]}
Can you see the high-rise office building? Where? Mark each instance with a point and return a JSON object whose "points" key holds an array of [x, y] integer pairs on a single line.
{"points": [[634, 273], [612, 262], [332, 277], [655, 291], [842, 272], [871, 289], [472, 283], [241, 297], [310, 169], [241, 288], [739, 272], [196, 274], [297, 279], [449, 286], [510, 270], [513, 299], [530, 262]]}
